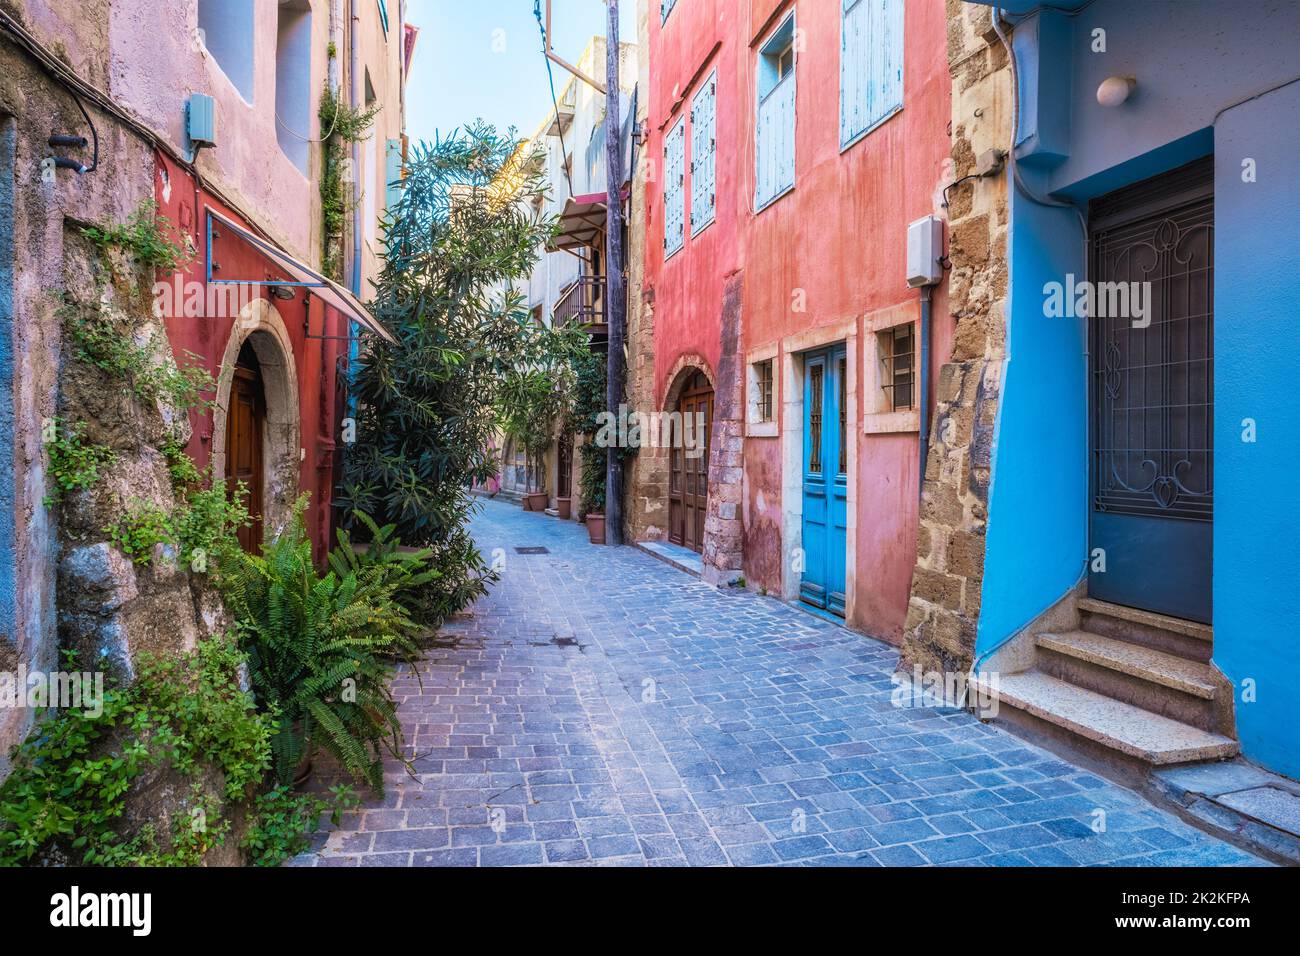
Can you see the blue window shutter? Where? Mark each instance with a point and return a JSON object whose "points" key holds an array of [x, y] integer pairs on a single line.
{"points": [[675, 188], [776, 118], [871, 65], [704, 144], [665, 8], [383, 14], [392, 172]]}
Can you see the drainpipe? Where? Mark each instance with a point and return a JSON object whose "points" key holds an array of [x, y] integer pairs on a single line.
{"points": [[358, 95], [924, 379]]}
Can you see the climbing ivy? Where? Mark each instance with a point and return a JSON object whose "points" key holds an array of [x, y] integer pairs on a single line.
{"points": [[341, 125]]}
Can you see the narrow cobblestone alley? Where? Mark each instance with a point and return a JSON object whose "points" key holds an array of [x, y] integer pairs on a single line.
{"points": [[599, 706]]}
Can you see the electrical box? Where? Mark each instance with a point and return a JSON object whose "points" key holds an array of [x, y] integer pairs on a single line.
{"points": [[201, 120], [924, 251]]}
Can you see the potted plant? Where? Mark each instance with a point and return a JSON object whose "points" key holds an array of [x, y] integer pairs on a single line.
{"points": [[563, 508], [537, 394], [593, 491]]}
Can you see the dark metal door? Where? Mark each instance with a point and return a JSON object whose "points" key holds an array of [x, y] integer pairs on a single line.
{"points": [[564, 467], [1152, 395]]}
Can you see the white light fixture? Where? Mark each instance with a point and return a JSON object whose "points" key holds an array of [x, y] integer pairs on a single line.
{"points": [[1114, 90]]}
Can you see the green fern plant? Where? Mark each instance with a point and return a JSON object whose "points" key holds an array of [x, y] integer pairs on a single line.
{"points": [[408, 571], [319, 651]]}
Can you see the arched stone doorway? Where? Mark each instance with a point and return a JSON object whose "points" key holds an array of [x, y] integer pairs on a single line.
{"points": [[689, 407], [261, 340]]}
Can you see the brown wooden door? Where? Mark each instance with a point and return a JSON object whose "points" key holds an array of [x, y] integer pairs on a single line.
{"points": [[245, 424], [688, 487]]}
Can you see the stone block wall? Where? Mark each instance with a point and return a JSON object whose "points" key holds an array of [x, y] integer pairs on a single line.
{"points": [[944, 607]]}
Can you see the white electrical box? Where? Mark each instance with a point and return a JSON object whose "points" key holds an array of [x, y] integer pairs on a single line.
{"points": [[924, 251], [201, 120]]}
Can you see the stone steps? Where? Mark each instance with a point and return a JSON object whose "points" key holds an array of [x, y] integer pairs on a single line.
{"points": [[1136, 733], [1159, 632]]}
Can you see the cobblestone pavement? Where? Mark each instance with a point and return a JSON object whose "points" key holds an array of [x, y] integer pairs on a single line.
{"points": [[599, 706]]}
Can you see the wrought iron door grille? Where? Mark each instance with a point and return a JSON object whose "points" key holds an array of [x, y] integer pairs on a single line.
{"points": [[1153, 387]]}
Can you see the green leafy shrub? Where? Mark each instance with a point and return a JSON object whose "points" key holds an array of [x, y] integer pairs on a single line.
{"points": [[382, 557], [74, 463], [143, 526], [144, 235], [184, 473], [428, 406], [281, 822], [66, 796], [320, 650]]}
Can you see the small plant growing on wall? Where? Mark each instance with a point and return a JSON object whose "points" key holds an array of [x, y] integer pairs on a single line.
{"points": [[341, 125], [145, 236], [74, 462]]}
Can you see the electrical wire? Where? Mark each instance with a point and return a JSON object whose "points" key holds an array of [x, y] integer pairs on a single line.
{"points": [[555, 103]]}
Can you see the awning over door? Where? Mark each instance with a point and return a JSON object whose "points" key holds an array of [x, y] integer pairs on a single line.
{"points": [[582, 223], [302, 274]]}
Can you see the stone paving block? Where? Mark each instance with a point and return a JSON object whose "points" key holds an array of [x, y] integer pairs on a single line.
{"points": [[770, 739]]}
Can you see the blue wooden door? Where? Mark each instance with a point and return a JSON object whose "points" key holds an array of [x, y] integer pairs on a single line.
{"points": [[825, 480]]}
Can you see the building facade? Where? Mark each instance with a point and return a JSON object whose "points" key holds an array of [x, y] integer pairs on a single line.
{"points": [[797, 143], [567, 283], [1102, 523], [207, 111]]}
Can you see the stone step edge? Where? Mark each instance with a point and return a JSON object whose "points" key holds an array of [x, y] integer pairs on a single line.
{"points": [[1192, 629], [1117, 655], [1025, 691]]}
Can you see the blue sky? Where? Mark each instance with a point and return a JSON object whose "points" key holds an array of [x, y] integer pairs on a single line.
{"points": [[482, 58]]}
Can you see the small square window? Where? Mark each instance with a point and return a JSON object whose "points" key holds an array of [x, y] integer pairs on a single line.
{"points": [[763, 371], [897, 376], [760, 417]]}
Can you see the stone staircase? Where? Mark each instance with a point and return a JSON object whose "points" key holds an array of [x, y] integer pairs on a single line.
{"points": [[1128, 686]]}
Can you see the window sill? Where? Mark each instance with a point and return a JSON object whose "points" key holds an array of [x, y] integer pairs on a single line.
{"points": [[775, 199], [695, 233], [884, 423], [859, 137], [760, 429]]}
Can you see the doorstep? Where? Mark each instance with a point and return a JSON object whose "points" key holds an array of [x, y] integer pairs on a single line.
{"points": [[683, 559], [1244, 804]]}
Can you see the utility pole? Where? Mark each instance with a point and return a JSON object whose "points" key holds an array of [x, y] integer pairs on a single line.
{"points": [[616, 288]]}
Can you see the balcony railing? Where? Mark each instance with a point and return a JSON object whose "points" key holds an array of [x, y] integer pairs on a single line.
{"points": [[583, 302]]}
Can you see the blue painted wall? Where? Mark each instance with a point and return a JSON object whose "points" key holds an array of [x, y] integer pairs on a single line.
{"points": [[1037, 530], [1256, 370], [1182, 110]]}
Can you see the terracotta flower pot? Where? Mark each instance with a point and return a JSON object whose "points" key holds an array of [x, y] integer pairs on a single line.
{"points": [[535, 501], [596, 528], [564, 508]]}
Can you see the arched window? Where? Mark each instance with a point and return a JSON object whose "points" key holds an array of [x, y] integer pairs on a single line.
{"points": [[226, 30]]}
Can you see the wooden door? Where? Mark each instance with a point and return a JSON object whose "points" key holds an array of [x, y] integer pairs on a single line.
{"points": [[825, 480], [688, 487], [245, 428]]}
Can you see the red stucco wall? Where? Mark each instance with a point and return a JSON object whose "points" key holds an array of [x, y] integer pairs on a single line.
{"points": [[840, 236], [182, 201]]}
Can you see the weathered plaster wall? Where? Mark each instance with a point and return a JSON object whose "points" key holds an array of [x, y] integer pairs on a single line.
{"points": [[42, 214], [247, 163], [833, 250]]}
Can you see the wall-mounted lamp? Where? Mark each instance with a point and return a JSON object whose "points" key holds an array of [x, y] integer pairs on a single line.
{"points": [[283, 293], [1115, 90]]}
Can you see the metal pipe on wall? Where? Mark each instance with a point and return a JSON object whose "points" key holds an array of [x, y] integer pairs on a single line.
{"points": [[923, 376]]}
